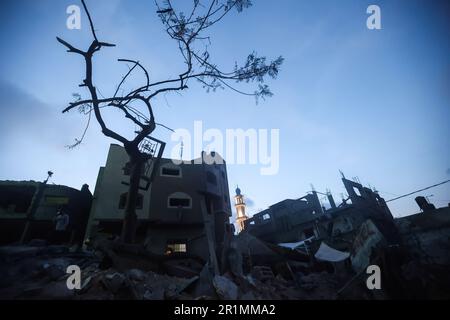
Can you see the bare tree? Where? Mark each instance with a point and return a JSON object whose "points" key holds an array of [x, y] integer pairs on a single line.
{"points": [[189, 31]]}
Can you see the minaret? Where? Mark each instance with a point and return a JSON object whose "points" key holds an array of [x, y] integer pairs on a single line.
{"points": [[240, 210]]}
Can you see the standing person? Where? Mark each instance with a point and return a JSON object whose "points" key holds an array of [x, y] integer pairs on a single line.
{"points": [[61, 222]]}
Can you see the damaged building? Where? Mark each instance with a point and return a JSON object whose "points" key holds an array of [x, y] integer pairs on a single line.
{"points": [[28, 209], [294, 220], [185, 210], [186, 247]]}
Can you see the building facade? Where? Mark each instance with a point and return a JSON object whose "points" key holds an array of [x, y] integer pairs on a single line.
{"points": [[186, 209], [289, 220], [36, 203], [294, 220]]}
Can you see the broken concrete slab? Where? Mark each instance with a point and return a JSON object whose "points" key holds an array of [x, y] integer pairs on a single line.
{"points": [[54, 271], [233, 260], [327, 253], [204, 286], [225, 288], [183, 268], [114, 282], [284, 270], [368, 238], [136, 274], [262, 273], [155, 294], [85, 285]]}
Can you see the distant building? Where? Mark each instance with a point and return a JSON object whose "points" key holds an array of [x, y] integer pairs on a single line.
{"points": [[293, 220], [185, 205], [240, 210], [288, 220], [38, 202], [427, 233]]}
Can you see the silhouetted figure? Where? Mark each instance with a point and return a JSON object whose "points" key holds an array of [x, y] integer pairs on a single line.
{"points": [[61, 222]]}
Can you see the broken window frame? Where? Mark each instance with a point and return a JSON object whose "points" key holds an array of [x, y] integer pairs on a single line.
{"points": [[357, 191], [168, 169], [179, 196]]}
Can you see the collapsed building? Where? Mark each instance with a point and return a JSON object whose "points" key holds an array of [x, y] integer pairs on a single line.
{"points": [[295, 220], [186, 247], [412, 252], [427, 232]]}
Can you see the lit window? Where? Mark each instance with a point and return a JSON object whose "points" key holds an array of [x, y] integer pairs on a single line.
{"points": [[178, 246]]}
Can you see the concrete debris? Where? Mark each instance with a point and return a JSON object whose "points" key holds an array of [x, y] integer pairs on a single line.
{"points": [[225, 288], [262, 273], [234, 261], [252, 269], [114, 282], [183, 268], [86, 285], [54, 271], [157, 294], [136, 274], [367, 239], [326, 253]]}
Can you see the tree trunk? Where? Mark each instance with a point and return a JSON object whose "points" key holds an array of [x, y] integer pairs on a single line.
{"points": [[130, 219]]}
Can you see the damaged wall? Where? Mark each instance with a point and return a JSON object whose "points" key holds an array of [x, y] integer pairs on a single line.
{"points": [[170, 216], [17, 198]]}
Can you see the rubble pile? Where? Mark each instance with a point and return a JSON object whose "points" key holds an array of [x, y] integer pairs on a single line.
{"points": [[37, 269], [39, 272], [251, 270]]}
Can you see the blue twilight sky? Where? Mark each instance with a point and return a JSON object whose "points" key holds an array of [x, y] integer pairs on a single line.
{"points": [[373, 103]]}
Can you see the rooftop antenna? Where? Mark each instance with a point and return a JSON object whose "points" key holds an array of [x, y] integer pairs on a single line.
{"points": [[356, 179], [49, 175], [181, 150], [312, 187]]}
